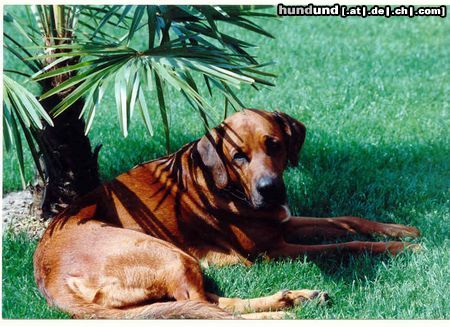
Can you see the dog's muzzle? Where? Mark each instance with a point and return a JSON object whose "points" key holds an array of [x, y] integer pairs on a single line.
{"points": [[269, 192]]}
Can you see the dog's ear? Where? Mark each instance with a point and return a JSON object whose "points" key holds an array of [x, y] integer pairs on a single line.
{"points": [[294, 135], [209, 149]]}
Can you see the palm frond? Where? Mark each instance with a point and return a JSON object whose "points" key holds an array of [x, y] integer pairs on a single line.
{"points": [[21, 113], [171, 65], [185, 46]]}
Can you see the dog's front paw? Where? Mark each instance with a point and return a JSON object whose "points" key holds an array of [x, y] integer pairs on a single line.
{"points": [[299, 296], [414, 247], [401, 231]]}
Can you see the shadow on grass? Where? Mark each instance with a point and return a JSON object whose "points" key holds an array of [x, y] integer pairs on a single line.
{"points": [[382, 182], [392, 182]]}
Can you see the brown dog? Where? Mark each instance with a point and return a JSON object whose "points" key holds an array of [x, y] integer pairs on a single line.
{"points": [[131, 249]]}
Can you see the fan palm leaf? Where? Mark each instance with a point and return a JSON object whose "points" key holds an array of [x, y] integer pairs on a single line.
{"points": [[21, 111], [182, 40]]}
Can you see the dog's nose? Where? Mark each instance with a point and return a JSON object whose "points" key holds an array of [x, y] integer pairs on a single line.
{"points": [[271, 188]]}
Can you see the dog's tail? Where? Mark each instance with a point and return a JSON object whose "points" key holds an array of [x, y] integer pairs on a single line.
{"points": [[161, 310]]}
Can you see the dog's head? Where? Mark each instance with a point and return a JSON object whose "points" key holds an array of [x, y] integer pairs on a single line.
{"points": [[247, 154]]}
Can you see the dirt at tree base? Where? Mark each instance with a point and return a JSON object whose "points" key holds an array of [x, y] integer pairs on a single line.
{"points": [[17, 217]]}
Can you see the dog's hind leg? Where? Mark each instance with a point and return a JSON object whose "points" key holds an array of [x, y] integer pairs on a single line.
{"points": [[278, 301], [298, 229]]}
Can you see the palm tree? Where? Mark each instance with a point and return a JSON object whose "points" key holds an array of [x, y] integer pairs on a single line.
{"points": [[76, 53]]}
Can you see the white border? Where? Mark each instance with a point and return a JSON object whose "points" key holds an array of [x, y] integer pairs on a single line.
{"points": [[222, 323]]}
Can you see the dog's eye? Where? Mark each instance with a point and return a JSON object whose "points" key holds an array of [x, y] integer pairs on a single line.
{"points": [[273, 146], [240, 157]]}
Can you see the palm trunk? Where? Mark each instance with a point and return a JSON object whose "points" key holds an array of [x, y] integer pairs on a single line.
{"points": [[70, 166]]}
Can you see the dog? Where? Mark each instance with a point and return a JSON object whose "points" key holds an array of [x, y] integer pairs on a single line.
{"points": [[133, 247]]}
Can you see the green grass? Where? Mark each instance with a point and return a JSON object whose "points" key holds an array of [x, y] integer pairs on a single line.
{"points": [[21, 298], [373, 94]]}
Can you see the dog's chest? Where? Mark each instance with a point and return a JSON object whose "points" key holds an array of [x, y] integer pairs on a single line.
{"points": [[254, 237]]}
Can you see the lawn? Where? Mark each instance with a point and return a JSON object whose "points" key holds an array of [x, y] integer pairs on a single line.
{"points": [[373, 94]]}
